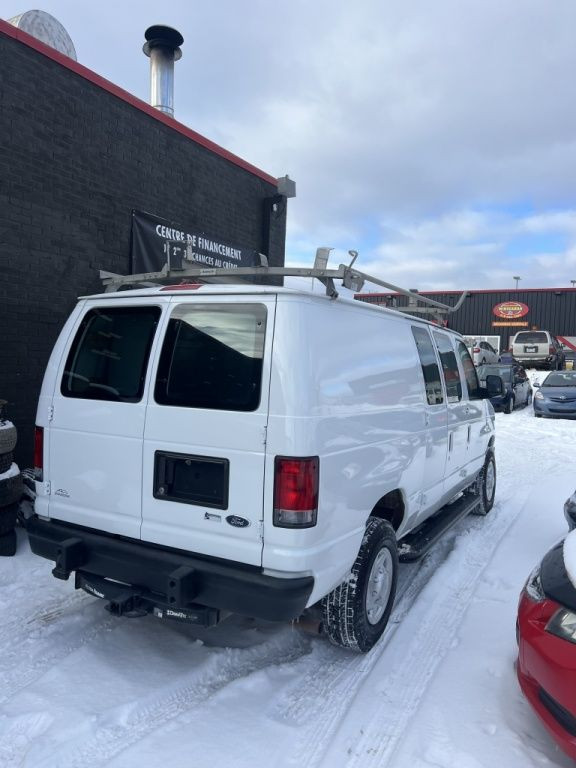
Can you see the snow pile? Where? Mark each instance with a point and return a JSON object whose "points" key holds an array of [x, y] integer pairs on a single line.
{"points": [[82, 689]]}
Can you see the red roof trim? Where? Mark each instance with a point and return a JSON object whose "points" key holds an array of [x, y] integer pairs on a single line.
{"points": [[17, 34], [488, 290]]}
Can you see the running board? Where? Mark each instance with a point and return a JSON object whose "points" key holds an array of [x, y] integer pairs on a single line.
{"points": [[421, 539]]}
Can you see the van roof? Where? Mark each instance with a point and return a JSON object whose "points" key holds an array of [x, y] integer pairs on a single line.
{"points": [[231, 289]]}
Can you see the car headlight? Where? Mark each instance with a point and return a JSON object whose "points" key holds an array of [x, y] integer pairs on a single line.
{"points": [[538, 395], [533, 586], [563, 624]]}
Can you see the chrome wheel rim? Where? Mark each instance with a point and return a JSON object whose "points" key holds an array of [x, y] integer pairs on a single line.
{"points": [[490, 480], [379, 586]]}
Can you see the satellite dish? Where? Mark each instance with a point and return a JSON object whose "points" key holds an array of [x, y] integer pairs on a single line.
{"points": [[47, 29]]}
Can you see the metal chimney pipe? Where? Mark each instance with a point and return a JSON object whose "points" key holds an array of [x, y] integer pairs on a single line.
{"points": [[162, 46]]}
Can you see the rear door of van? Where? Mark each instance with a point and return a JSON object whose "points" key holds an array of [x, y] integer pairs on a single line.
{"points": [[95, 426], [205, 430]]}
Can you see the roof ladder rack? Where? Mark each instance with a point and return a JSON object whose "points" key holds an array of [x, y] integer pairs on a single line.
{"points": [[352, 279]]}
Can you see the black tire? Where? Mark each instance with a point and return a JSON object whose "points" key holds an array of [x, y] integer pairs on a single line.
{"points": [[538, 415], [485, 485], [352, 616], [8, 437], [8, 516], [529, 398], [6, 460], [8, 544], [10, 490], [509, 405]]}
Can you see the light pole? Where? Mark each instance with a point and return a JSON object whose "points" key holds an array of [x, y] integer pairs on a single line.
{"points": [[518, 278], [573, 283]]}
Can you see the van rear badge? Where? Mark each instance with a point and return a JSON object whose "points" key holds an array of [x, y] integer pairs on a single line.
{"points": [[237, 522], [62, 492]]}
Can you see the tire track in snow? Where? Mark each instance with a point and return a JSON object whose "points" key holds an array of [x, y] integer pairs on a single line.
{"points": [[19, 668], [148, 714], [337, 682], [337, 674], [408, 681]]}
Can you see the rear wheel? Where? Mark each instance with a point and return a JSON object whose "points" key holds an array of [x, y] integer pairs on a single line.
{"points": [[509, 405], [485, 485], [355, 614]]}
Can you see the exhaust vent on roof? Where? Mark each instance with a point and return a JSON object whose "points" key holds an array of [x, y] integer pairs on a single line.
{"points": [[47, 29], [162, 46]]}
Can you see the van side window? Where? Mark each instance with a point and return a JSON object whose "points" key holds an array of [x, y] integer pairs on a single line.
{"points": [[109, 355], [449, 368], [469, 371], [212, 357], [429, 365]]}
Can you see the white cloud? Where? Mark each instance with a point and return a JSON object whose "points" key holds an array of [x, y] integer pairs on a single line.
{"points": [[410, 128]]}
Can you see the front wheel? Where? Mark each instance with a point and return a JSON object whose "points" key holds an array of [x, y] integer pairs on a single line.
{"points": [[355, 614], [509, 406], [485, 486]]}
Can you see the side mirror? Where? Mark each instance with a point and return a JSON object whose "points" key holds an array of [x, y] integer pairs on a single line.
{"points": [[536, 384], [494, 385]]}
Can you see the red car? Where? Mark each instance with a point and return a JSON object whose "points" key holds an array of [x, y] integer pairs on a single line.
{"points": [[546, 630]]}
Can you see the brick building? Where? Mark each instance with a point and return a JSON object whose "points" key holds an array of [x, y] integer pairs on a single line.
{"points": [[78, 155]]}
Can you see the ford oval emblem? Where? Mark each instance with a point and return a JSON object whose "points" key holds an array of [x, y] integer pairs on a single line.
{"points": [[237, 521]]}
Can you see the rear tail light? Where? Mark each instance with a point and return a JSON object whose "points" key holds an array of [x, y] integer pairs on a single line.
{"points": [[39, 453], [476, 349], [296, 491], [551, 350]]}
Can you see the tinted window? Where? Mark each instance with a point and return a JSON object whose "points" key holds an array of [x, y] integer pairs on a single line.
{"points": [[212, 357], [469, 371], [531, 337], [429, 365], [449, 368], [109, 355]]}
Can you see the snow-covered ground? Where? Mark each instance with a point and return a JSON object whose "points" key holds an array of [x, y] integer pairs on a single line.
{"points": [[80, 688]]}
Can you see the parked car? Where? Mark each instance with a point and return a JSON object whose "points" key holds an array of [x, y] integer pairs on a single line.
{"points": [[518, 390], [546, 633], [556, 396], [483, 352], [538, 349], [255, 450]]}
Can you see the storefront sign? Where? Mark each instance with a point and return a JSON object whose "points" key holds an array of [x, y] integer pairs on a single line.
{"points": [[509, 323], [155, 241], [510, 310]]}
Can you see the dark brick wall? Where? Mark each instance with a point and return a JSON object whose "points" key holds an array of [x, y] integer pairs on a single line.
{"points": [[74, 161]]}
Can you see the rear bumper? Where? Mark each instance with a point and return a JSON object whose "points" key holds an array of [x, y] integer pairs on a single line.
{"points": [[546, 408], [167, 577], [546, 360]]}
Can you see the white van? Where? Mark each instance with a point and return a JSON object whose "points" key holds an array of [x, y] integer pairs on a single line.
{"points": [[204, 450]]}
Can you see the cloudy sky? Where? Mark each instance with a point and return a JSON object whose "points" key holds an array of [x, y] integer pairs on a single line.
{"points": [[436, 137]]}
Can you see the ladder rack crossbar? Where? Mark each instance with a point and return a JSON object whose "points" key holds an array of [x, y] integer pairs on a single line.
{"points": [[353, 279]]}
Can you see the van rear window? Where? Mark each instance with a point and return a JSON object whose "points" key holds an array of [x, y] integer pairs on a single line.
{"points": [[212, 357], [109, 355]]}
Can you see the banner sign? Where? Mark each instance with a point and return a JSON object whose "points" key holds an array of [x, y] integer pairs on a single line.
{"points": [[511, 310], [155, 240]]}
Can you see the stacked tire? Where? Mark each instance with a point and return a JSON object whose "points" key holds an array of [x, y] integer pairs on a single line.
{"points": [[10, 486]]}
